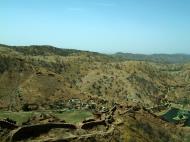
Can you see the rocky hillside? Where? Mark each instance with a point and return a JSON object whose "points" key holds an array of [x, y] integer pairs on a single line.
{"points": [[45, 74], [35, 79]]}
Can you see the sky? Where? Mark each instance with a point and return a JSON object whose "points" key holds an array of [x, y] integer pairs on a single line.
{"points": [[107, 26]]}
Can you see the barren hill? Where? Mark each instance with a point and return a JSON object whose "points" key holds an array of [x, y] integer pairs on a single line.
{"points": [[45, 77]]}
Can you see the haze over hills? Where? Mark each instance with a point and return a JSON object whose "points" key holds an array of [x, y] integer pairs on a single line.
{"points": [[38, 78], [46, 49], [167, 58]]}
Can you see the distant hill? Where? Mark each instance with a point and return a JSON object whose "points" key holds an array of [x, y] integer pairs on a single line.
{"points": [[47, 50], [121, 77], [42, 50], [160, 58]]}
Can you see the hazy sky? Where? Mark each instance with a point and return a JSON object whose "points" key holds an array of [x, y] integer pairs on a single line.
{"points": [[137, 26]]}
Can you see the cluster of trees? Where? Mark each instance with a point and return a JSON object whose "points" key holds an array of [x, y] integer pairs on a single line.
{"points": [[7, 62], [4, 64]]}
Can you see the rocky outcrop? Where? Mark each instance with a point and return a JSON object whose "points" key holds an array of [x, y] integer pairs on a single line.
{"points": [[99, 136]]}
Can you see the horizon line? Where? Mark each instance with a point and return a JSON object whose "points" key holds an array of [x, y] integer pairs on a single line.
{"points": [[121, 52]]}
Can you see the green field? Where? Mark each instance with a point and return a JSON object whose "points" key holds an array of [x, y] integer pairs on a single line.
{"points": [[71, 116]]}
